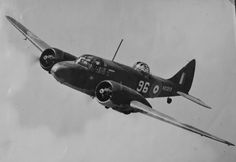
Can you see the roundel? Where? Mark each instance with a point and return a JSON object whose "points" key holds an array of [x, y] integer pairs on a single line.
{"points": [[156, 89]]}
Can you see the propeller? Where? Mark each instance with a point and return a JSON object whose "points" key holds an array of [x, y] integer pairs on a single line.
{"points": [[33, 59]]}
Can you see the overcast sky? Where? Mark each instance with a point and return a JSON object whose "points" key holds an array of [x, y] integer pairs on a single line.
{"points": [[42, 120]]}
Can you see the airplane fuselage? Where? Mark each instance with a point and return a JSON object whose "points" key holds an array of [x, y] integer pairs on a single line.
{"points": [[85, 77]]}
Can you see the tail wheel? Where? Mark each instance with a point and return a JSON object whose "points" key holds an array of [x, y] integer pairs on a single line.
{"points": [[169, 100]]}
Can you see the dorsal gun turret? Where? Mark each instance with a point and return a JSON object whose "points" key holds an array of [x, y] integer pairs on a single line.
{"points": [[142, 67]]}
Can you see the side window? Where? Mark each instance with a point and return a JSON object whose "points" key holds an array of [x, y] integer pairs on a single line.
{"points": [[94, 65], [98, 67]]}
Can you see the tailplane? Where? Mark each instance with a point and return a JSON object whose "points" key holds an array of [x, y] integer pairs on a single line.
{"points": [[193, 99], [184, 78]]}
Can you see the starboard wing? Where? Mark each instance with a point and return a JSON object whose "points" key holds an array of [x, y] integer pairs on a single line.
{"points": [[36, 41], [163, 117]]}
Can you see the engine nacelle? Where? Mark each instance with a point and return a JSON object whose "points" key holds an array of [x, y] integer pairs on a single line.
{"points": [[51, 56], [117, 96]]}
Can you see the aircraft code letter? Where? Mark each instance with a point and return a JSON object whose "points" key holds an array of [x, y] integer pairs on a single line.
{"points": [[143, 86]]}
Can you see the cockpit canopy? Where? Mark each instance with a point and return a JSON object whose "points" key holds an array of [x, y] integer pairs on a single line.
{"points": [[142, 67], [89, 60]]}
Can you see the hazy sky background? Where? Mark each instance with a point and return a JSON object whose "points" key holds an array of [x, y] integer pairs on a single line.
{"points": [[42, 120]]}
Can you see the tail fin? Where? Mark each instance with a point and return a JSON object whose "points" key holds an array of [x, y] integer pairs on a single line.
{"points": [[184, 77]]}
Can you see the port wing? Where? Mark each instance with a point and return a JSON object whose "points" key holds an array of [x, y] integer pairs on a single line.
{"points": [[36, 41]]}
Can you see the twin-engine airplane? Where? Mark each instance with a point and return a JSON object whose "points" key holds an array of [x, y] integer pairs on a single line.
{"points": [[115, 85]]}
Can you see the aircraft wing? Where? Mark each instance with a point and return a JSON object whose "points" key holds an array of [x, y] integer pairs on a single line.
{"points": [[161, 116], [232, 1], [36, 41]]}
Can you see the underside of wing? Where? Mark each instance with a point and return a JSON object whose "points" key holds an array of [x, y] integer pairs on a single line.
{"points": [[161, 116], [36, 41]]}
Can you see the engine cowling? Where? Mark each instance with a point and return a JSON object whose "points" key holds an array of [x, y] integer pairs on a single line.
{"points": [[117, 96], [51, 56]]}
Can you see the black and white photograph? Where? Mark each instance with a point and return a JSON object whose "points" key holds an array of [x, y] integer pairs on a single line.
{"points": [[117, 81]]}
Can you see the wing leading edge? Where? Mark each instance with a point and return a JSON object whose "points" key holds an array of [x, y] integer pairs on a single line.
{"points": [[36, 41], [163, 117]]}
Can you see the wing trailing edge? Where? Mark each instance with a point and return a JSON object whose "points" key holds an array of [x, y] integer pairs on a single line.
{"points": [[163, 117]]}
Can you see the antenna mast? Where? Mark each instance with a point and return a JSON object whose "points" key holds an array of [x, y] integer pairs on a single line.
{"points": [[117, 50]]}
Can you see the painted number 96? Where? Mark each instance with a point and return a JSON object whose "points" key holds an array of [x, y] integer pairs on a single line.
{"points": [[143, 86]]}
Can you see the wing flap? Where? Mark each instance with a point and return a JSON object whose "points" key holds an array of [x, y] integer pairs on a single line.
{"points": [[163, 117], [194, 99], [36, 41]]}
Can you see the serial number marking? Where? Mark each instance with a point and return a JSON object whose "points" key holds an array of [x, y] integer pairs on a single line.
{"points": [[167, 88]]}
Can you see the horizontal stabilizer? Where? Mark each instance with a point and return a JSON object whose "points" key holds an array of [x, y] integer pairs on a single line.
{"points": [[194, 99]]}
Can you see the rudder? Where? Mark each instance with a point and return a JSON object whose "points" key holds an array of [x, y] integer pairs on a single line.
{"points": [[184, 77]]}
